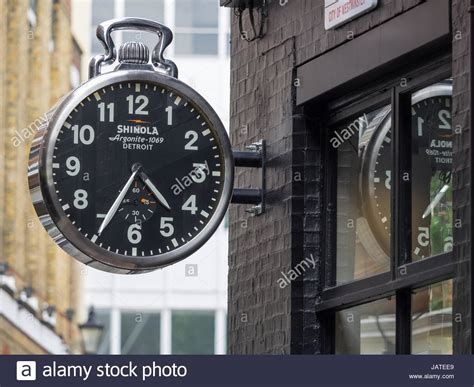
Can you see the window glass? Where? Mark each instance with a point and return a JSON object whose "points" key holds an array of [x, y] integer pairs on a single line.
{"points": [[192, 332], [432, 160], [196, 27], [432, 319], [149, 9], [101, 10], [196, 44], [103, 317], [363, 195], [140, 333], [196, 13], [367, 329]]}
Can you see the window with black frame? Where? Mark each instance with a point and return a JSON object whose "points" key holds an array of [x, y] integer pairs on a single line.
{"points": [[389, 268], [363, 195]]}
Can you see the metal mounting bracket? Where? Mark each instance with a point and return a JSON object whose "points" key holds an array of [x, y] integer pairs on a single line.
{"points": [[253, 157]]}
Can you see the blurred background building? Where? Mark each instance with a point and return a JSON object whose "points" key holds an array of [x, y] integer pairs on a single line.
{"points": [[181, 309], [40, 286]]}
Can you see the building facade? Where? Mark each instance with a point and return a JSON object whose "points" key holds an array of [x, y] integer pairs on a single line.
{"points": [[40, 285], [365, 244], [181, 309]]}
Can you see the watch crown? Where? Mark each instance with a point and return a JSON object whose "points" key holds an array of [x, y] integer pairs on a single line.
{"points": [[133, 52]]}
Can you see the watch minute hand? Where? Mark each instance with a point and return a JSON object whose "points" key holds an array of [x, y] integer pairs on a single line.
{"points": [[435, 201], [116, 203], [154, 190]]}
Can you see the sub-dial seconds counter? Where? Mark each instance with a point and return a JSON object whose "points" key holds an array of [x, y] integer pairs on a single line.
{"points": [[138, 205]]}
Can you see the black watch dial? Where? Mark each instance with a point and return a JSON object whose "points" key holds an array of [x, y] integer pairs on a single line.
{"points": [[138, 169]]}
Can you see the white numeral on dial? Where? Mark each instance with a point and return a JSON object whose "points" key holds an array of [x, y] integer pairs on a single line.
{"points": [[140, 99], [110, 108], [85, 134], [424, 236], [421, 121], [133, 234], [80, 199], [444, 117], [448, 244], [193, 138], [190, 205], [166, 227], [199, 172], [169, 111], [73, 165], [388, 179]]}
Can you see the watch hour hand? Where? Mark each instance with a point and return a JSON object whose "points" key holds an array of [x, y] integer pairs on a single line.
{"points": [[116, 204], [154, 190], [435, 201]]}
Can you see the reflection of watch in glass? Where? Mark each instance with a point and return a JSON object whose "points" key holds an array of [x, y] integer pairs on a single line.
{"points": [[431, 175]]}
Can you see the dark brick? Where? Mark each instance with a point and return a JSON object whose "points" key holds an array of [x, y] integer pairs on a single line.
{"points": [[262, 98]]}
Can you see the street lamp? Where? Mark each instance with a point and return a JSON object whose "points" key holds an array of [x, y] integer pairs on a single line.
{"points": [[91, 332]]}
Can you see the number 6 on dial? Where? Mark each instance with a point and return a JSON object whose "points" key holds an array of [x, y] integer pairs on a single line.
{"points": [[134, 235]]}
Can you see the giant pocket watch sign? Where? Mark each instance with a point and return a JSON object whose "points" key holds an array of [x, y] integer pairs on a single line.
{"points": [[133, 170]]}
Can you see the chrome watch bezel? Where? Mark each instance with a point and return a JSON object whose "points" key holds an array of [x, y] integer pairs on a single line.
{"points": [[48, 207]]}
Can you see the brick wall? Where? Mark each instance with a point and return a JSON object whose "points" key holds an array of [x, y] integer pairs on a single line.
{"points": [[264, 318], [31, 80], [462, 177]]}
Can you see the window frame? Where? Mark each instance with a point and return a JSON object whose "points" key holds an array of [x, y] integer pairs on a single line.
{"points": [[396, 282]]}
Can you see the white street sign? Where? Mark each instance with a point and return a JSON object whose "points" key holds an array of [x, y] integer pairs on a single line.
{"points": [[338, 12]]}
